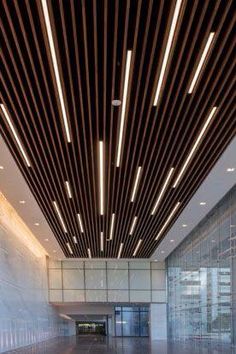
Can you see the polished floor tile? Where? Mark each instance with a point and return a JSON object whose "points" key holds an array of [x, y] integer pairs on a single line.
{"points": [[105, 345]]}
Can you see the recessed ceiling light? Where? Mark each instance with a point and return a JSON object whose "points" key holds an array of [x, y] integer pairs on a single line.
{"points": [[123, 110], [80, 223], [46, 239], [136, 183], [116, 103], [167, 221], [172, 240], [54, 251], [22, 201], [201, 62], [133, 225], [167, 49], [213, 241], [102, 241], [184, 225], [137, 247], [101, 176], [60, 217], [69, 248], [155, 260], [75, 239], [120, 250], [162, 191], [112, 226], [68, 189], [1, 168], [89, 253], [55, 67], [15, 135], [202, 203], [197, 142], [162, 251], [36, 223], [230, 169]]}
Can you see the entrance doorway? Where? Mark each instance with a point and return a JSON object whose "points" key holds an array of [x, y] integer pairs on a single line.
{"points": [[96, 328]]}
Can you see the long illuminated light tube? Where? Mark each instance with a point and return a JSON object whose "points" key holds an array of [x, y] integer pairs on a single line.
{"points": [[137, 247], [162, 190], [75, 239], [136, 183], [133, 225], [60, 217], [167, 49], [123, 109], [167, 220], [197, 142], [120, 250], [101, 176], [15, 134], [102, 242], [68, 189], [80, 223], [201, 62], [112, 226], [55, 67], [89, 253], [69, 248]]}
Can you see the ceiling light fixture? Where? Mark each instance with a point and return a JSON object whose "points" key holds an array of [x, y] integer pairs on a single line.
{"points": [[89, 253], [15, 134], [54, 251], [136, 183], [80, 223], [36, 223], [167, 49], [46, 239], [116, 103], [162, 252], [201, 62], [162, 190], [202, 203], [120, 250], [230, 169], [112, 225], [1, 168], [137, 247], [22, 201], [197, 142], [68, 189], [102, 242], [55, 67], [123, 109], [69, 247], [172, 241], [133, 225], [167, 221], [60, 217], [101, 176], [184, 225], [75, 239]]}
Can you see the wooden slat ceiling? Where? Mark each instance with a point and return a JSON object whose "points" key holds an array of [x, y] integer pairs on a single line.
{"points": [[91, 40]]}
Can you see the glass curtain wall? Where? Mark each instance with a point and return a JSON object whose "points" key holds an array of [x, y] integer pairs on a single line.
{"points": [[132, 321], [201, 278]]}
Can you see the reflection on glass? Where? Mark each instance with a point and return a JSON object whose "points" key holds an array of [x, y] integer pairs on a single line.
{"points": [[132, 321]]}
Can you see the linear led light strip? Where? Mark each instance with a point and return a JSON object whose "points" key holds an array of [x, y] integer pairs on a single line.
{"points": [[123, 109], [15, 135], [201, 62], [133, 225], [69, 248], [68, 189], [162, 190], [137, 247], [101, 176], [167, 50], [55, 67], [80, 223], [197, 142], [136, 183], [102, 241], [75, 239], [60, 217], [89, 253], [120, 250], [112, 226], [167, 221]]}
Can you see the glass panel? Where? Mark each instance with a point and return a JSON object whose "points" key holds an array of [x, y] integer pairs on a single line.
{"points": [[95, 279], [130, 324], [140, 279]]}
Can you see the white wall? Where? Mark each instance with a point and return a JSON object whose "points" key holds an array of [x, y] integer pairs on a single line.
{"points": [[158, 322]]}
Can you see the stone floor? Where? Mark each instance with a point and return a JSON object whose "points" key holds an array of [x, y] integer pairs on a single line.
{"points": [[105, 345]]}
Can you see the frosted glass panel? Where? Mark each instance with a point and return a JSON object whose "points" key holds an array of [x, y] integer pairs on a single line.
{"points": [[95, 264], [139, 265], [158, 296], [55, 280], [158, 279], [73, 295], [118, 295], [73, 279], [117, 265], [55, 295], [140, 296], [140, 279], [72, 264], [118, 279], [95, 279], [96, 295]]}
